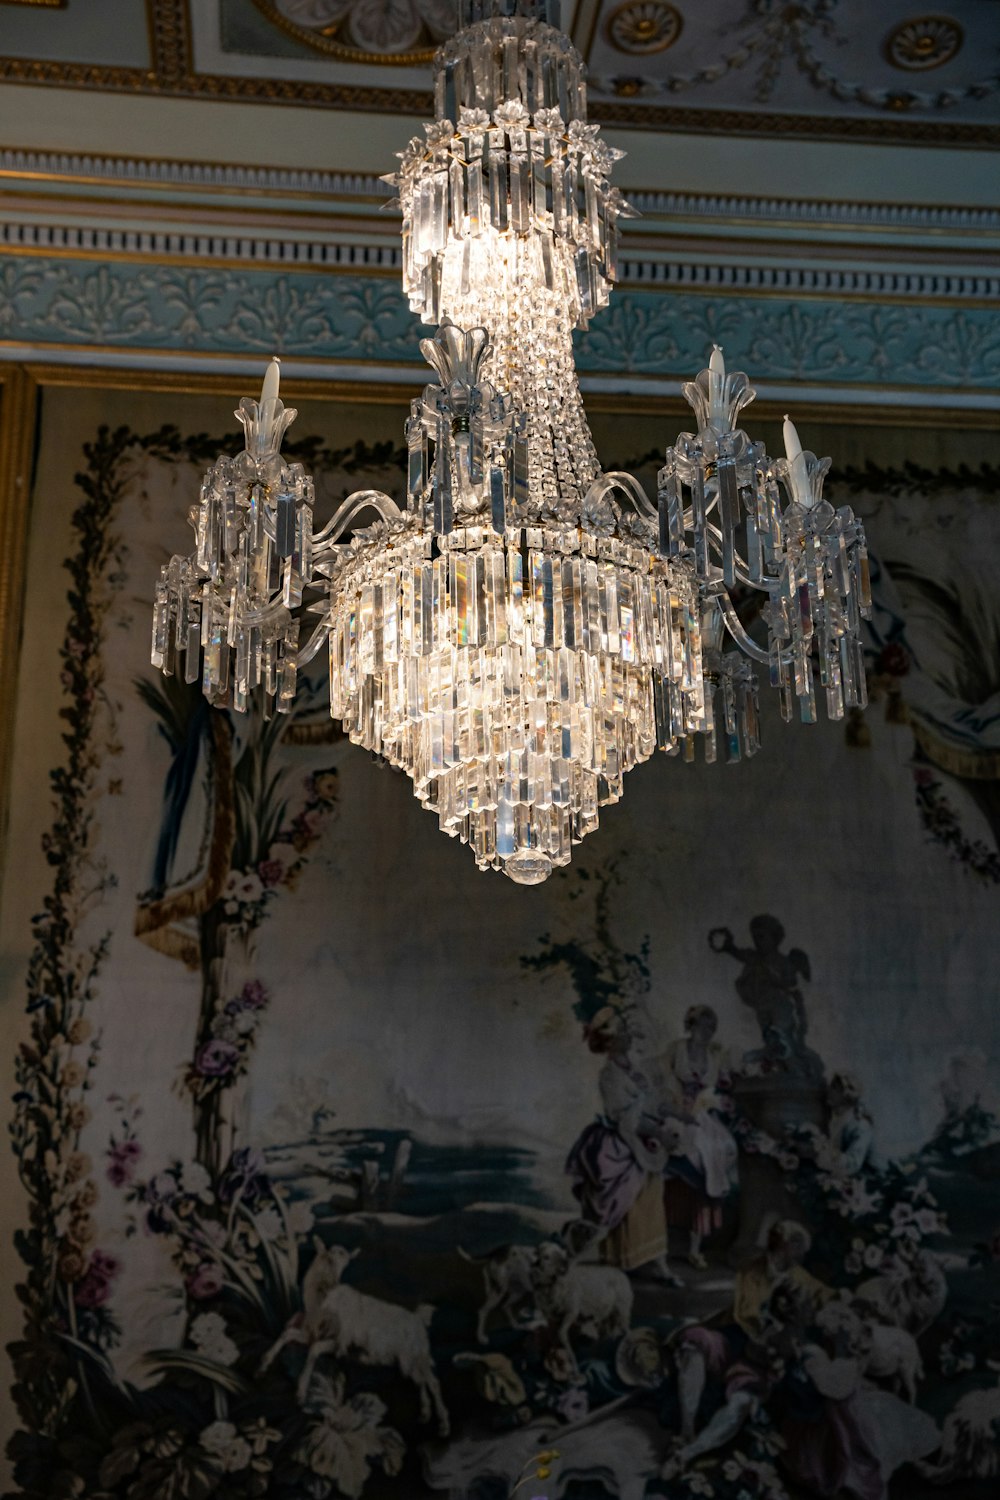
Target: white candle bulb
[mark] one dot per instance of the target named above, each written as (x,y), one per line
(272,375)
(716,385)
(798,474)
(793,447)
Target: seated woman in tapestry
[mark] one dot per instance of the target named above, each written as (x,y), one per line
(695,1077)
(618,1161)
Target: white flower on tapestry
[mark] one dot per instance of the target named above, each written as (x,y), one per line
(914,1223)
(243,888)
(196,1182)
(209,1336)
(851,1199)
(225,1447)
(268,1223)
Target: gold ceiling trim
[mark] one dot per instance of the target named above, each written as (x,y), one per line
(200,381)
(172,72)
(628,401)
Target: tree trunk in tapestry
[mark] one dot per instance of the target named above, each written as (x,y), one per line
(272,833)
(214,1108)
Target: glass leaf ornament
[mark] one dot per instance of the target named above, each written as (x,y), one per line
(528,628)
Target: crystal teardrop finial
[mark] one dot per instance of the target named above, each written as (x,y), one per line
(528,868)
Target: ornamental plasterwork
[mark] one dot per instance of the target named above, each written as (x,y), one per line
(772,33)
(56,304)
(400,32)
(925,43)
(640,27)
(650,88)
(662,271)
(132,172)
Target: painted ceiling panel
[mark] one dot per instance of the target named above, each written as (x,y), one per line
(112,32)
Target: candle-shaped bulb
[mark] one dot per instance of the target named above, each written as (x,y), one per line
(798,474)
(793,447)
(716,385)
(272,376)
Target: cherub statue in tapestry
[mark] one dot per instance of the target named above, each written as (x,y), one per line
(770,984)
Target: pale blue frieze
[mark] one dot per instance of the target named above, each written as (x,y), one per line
(187,309)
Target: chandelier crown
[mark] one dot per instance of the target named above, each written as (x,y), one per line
(528,628)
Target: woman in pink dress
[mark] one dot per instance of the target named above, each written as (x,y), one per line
(617,1162)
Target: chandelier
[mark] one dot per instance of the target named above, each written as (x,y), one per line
(528,628)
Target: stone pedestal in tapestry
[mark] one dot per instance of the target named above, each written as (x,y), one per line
(773,1104)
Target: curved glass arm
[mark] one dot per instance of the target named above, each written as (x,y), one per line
(617,480)
(313,644)
(257,617)
(745,642)
(383,505)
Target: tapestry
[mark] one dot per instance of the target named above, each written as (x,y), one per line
(345,1170)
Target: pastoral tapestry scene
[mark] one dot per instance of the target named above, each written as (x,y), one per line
(345,1170)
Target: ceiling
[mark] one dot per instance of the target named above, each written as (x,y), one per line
(833,69)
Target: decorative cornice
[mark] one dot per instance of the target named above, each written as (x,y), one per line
(909,216)
(69,305)
(145,245)
(152,171)
(157,246)
(228,176)
(841,282)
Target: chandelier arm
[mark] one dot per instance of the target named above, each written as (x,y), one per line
(745,642)
(762,586)
(384,505)
(319,636)
(252,618)
(618,479)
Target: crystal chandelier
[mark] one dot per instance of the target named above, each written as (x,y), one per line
(528,628)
